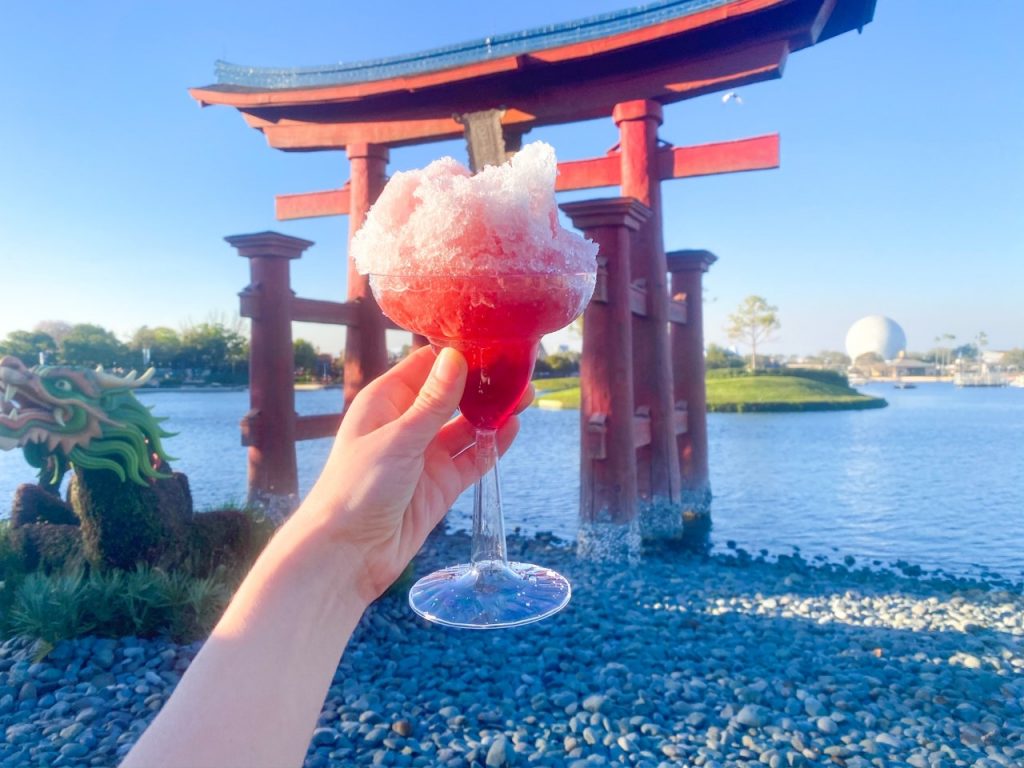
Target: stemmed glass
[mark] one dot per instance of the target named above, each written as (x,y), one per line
(496,321)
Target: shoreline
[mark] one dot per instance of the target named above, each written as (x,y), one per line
(700,660)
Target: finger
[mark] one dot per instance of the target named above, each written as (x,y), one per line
(402,384)
(526,399)
(389,395)
(455,436)
(459,434)
(436,401)
(465,463)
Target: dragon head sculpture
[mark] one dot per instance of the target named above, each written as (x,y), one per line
(63,416)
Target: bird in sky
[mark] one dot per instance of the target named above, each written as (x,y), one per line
(732,96)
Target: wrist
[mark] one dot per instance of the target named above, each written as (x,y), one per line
(323,561)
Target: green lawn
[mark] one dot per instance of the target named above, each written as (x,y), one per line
(556,385)
(741,394)
(783,393)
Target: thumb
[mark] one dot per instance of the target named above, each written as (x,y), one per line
(437,400)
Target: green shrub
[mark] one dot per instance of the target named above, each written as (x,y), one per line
(143,609)
(12,574)
(146,602)
(725,373)
(261,530)
(124,523)
(220,539)
(103,596)
(47,547)
(193,604)
(825,376)
(12,563)
(50,608)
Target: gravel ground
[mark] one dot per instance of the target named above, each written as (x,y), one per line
(687,660)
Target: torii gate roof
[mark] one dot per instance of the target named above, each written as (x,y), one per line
(667,51)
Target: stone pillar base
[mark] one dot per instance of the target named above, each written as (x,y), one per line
(696,516)
(695,503)
(609,542)
(661,521)
(683,525)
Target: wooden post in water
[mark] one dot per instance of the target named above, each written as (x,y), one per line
(268,429)
(687,336)
(658,464)
(609,528)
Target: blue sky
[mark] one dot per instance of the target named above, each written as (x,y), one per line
(901,189)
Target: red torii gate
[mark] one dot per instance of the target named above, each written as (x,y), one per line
(626,65)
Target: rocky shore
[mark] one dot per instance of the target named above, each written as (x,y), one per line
(685,660)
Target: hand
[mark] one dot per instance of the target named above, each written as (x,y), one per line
(397,465)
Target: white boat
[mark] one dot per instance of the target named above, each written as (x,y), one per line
(1017,381)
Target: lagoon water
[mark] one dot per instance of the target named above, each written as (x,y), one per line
(936,479)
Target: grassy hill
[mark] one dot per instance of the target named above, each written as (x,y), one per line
(738,392)
(792,390)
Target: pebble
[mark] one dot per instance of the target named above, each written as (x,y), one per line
(594,702)
(749,716)
(402,728)
(680,661)
(496,754)
(826,725)
(813,707)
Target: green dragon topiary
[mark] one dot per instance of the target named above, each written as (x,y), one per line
(62,416)
(131,506)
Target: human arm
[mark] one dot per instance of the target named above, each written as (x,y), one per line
(252,695)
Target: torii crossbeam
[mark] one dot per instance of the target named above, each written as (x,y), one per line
(758,153)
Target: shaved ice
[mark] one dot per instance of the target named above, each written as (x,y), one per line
(442,220)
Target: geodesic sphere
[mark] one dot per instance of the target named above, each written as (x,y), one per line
(878,334)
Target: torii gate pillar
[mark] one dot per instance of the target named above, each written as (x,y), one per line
(268,429)
(366,353)
(609,437)
(688,268)
(658,463)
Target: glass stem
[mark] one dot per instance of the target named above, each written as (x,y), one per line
(488,525)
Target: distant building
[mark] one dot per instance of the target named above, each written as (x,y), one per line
(908,366)
(875,334)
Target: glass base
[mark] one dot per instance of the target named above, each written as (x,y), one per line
(490,595)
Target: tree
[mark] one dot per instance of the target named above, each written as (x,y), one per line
(306,356)
(163,343)
(91,345)
(565,363)
(830,358)
(720,357)
(869,358)
(966,351)
(212,346)
(754,322)
(982,343)
(944,351)
(1014,358)
(27,346)
(57,330)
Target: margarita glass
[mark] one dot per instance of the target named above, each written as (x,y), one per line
(496,321)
